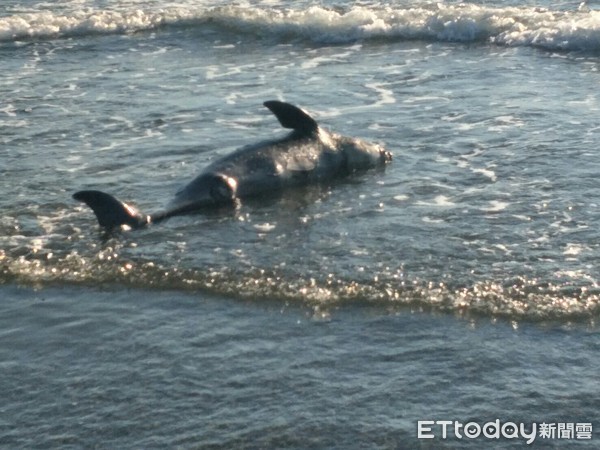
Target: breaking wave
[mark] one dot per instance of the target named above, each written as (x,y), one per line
(515,298)
(507,26)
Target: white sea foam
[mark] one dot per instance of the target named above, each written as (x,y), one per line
(573,249)
(439,201)
(428,219)
(496,206)
(265,227)
(385,95)
(486,173)
(511,26)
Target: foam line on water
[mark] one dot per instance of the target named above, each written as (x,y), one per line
(509,26)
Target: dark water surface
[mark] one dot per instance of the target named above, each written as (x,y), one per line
(146,369)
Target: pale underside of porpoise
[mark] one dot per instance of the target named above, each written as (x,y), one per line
(307,155)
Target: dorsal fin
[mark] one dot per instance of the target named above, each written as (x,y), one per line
(291,116)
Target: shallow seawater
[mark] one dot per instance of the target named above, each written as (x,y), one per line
(460,283)
(85,368)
